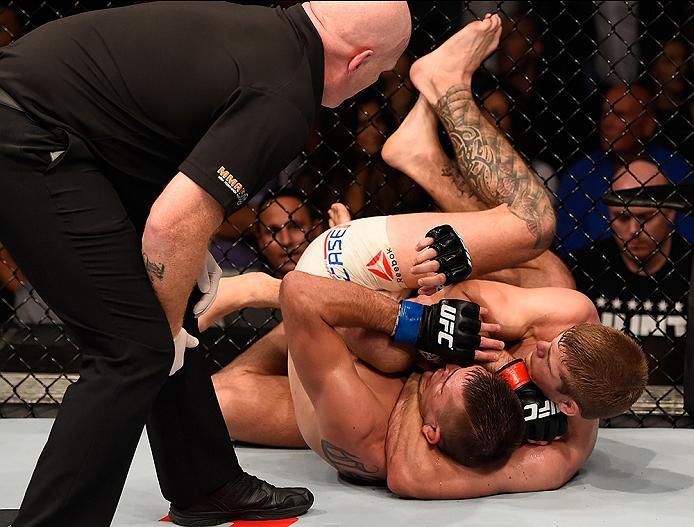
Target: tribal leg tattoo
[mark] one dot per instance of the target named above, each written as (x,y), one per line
(451,171)
(489,166)
(347,463)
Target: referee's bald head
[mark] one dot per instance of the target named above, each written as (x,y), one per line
(360,40)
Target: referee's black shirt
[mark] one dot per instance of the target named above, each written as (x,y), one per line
(224,93)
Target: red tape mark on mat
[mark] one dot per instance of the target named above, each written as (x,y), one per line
(259,523)
(265,523)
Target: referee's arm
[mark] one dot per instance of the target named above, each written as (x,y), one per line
(174,244)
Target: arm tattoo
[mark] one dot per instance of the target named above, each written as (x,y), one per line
(489,166)
(347,463)
(154,270)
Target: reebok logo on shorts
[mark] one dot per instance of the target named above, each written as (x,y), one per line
(232,184)
(385,266)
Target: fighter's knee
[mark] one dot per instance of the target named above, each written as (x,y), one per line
(548,228)
(231,384)
(220,385)
(293,290)
(231,375)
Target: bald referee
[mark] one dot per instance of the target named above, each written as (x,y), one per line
(127,135)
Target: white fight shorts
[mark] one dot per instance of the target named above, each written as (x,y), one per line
(359,252)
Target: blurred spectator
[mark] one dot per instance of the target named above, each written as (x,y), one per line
(536,111)
(233,244)
(614,27)
(378,188)
(27,306)
(11,278)
(670,73)
(398,89)
(285,225)
(497,109)
(9,283)
(374,124)
(625,132)
(639,277)
(10,28)
(281,226)
(617,34)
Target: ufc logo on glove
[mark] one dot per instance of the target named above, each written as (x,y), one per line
(448,330)
(535,412)
(447,320)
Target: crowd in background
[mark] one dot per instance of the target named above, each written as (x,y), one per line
(596,98)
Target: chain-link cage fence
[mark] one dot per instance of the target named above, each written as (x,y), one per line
(590,93)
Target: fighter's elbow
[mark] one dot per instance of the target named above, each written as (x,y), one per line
(560,480)
(400,482)
(558,476)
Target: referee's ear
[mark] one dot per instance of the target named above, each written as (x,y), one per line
(358,60)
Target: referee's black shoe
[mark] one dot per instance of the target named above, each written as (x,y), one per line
(247,498)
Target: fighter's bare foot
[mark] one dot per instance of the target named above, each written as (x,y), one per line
(338,214)
(455,61)
(415,147)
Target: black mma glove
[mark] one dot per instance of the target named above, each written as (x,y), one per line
(543,420)
(444,332)
(451,253)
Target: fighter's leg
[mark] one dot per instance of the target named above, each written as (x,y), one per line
(491,236)
(414,149)
(253,392)
(547,270)
(494,172)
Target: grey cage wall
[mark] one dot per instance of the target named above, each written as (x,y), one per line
(589,92)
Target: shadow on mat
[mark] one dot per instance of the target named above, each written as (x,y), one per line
(622,467)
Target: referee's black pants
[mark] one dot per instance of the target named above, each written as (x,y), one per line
(69,232)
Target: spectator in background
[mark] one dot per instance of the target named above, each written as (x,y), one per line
(536,111)
(639,277)
(616,26)
(233,244)
(10,28)
(378,189)
(625,132)
(10,281)
(374,124)
(669,73)
(282,226)
(398,89)
(285,225)
(27,306)
(269,234)
(496,107)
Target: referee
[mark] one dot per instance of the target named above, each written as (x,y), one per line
(127,136)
